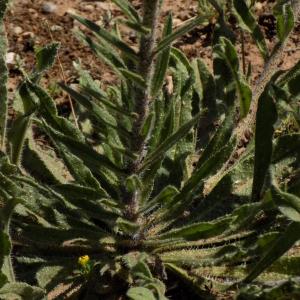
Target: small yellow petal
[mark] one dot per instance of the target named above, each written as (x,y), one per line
(83,260)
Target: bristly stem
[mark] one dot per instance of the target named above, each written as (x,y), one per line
(151,10)
(3,77)
(142,99)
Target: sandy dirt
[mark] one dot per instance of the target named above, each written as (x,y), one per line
(29,26)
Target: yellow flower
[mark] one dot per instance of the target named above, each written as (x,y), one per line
(84,260)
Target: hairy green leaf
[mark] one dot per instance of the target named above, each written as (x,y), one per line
(107,36)
(170,142)
(190,25)
(128,9)
(134,77)
(197,231)
(288,204)
(162,61)
(229,54)
(138,293)
(96,110)
(21,291)
(248,22)
(45,57)
(281,245)
(265,119)
(285,20)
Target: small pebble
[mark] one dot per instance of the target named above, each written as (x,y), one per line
(56,28)
(258,6)
(103,5)
(28,35)
(89,8)
(49,8)
(10,58)
(33,13)
(18,30)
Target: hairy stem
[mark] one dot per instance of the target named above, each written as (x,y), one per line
(145,68)
(3,76)
(151,10)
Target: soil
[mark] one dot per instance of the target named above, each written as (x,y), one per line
(29,27)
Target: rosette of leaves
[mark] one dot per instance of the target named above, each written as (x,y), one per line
(133,188)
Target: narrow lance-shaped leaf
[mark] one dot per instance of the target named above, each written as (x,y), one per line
(135,26)
(164,197)
(205,87)
(170,142)
(107,36)
(248,22)
(75,165)
(266,117)
(104,100)
(194,186)
(137,293)
(225,85)
(128,9)
(9,195)
(134,77)
(102,116)
(148,126)
(197,231)
(105,52)
(17,133)
(4,253)
(291,74)
(280,246)
(48,111)
(285,20)
(41,164)
(45,58)
(85,152)
(162,61)
(228,52)
(95,109)
(220,138)
(281,151)
(21,290)
(290,82)
(180,57)
(190,25)
(288,204)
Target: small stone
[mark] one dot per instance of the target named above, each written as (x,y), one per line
(49,8)
(17,30)
(72,11)
(11,58)
(103,5)
(100,22)
(89,7)
(258,6)
(56,28)
(28,35)
(33,13)
(177,22)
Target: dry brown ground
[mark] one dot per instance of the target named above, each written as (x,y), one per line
(29,27)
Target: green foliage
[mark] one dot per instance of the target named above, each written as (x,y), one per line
(247,21)
(285,19)
(138,195)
